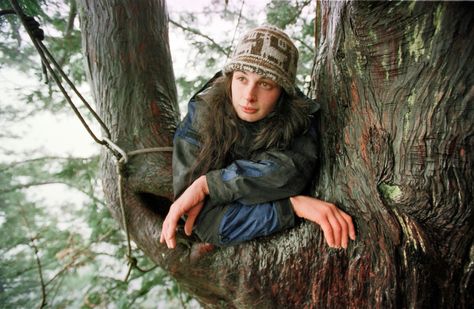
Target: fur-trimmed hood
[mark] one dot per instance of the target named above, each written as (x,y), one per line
(225,137)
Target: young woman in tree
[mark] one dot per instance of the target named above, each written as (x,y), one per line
(246,150)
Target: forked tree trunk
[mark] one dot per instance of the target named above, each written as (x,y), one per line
(395,82)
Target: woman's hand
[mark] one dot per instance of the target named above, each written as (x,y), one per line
(190,203)
(337,226)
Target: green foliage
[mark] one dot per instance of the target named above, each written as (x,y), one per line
(297,19)
(71,254)
(31,7)
(62,38)
(78,264)
(187,87)
(283,13)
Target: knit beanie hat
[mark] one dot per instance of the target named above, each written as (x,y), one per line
(267,51)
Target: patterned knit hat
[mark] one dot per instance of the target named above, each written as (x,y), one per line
(267,51)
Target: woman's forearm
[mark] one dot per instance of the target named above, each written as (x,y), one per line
(190,203)
(337,226)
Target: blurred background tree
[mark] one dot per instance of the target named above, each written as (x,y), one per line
(69,253)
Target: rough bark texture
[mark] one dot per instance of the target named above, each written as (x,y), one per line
(395,82)
(125,44)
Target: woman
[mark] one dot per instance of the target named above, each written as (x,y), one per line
(246,151)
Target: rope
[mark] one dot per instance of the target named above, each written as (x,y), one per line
(113,146)
(120,167)
(6,12)
(121,156)
(46,57)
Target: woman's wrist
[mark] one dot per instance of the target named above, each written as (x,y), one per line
(294,201)
(203,184)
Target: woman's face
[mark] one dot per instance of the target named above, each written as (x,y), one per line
(253,96)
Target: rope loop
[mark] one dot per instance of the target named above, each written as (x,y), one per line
(122,158)
(118,152)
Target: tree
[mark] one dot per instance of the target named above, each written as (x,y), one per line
(395,82)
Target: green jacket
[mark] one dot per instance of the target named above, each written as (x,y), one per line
(248,198)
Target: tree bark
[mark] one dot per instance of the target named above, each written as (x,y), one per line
(395,82)
(396,85)
(126,47)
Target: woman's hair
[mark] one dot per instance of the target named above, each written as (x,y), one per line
(220,129)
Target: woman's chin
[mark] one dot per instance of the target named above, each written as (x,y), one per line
(249,117)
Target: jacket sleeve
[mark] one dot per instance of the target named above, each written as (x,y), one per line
(269,176)
(186,146)
(232,224)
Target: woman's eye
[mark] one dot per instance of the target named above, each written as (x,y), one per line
(266,85)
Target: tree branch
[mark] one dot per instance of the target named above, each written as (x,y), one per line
(300,8)
(28,185)
(40,272)
(70,20)
(303,43)
(75,258)
(52,182)
(68,30)
(6,12)
(14,164)
(236,27)
(38,261)
(68,266)
(198,33)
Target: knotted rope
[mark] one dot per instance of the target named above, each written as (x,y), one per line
(120,167)
(121,157)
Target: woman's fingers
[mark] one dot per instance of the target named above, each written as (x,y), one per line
(192,215)
(190,203)
(350,225)
(336,228)
(167,234)
(162,235)
(344,228)
(171,241)
(164,231)
(327,231)
(347,227)
(168,230)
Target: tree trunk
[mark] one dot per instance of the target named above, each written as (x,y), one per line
(396,85)
(125,44)
(395,82)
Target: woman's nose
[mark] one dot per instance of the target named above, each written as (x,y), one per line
(250,93)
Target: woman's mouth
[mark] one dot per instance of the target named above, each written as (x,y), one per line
(248,110)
